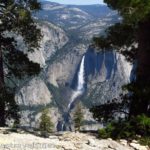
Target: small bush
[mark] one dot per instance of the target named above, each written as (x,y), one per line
(102,133)
(110,128)
(122,129)
(142,123)
(144,141)
(128,129)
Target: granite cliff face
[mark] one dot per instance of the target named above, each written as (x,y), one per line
(29,95)
(106,73)
(53,39)
(33,94)
(56,71)
(60,56)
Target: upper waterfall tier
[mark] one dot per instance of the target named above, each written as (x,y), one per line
(81,79)
(80,83)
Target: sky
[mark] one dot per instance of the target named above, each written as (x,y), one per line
(77,2)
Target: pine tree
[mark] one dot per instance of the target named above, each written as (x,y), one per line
(46,125)
(16,17)
(133,30)
(78,117)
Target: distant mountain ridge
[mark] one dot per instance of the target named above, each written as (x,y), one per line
(72,16)
(97,10)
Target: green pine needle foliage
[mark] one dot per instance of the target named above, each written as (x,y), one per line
(136,128)
(78,117)
(46,124)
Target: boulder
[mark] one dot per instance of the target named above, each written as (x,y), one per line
(137,146)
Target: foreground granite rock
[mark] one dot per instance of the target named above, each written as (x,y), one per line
(60,141)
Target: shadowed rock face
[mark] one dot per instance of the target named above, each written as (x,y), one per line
(101,64)
(106,72)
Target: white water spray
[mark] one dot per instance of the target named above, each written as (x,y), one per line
(80,85)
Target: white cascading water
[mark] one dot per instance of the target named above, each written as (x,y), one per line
(80,85)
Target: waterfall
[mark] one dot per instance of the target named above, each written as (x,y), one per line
(80,83)
(80,86)
(65,125)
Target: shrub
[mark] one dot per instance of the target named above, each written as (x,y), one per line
(128,129)
(102,133)
(143,125)
(123,129)
(145,141)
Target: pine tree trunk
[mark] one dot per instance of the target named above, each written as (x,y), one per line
(1,71)
(143,74)
(2,103)
(140,103)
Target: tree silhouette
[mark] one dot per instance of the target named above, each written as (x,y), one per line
(78,117)
(16,18)
(131,38)
(46,124)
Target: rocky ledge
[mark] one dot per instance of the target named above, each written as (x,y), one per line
(62,141)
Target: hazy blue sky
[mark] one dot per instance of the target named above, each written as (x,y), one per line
(78,2)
